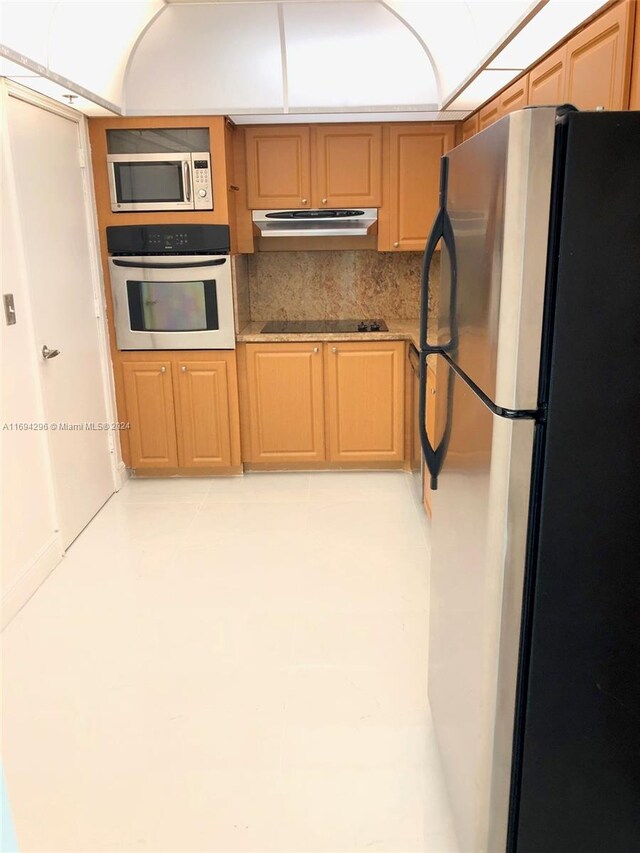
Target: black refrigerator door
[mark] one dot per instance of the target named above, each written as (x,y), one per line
(579,788)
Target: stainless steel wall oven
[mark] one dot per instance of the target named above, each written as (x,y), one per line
(171,287)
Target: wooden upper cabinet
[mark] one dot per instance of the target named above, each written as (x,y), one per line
(348,161)
(489,113)
(546,80)
(207,412)
(470,127)
(278,167)
(598,61)
(365,401)
(285,387)
(413,183)
(149,400)
(514,97)
(634,97)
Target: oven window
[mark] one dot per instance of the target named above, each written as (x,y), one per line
(139,183)
(172,306)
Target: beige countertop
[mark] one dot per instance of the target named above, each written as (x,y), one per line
(399,330)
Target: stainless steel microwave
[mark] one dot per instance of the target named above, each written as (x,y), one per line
(166,181)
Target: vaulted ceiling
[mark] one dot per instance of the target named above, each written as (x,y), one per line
(263,60)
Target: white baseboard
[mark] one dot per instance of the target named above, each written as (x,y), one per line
(122,475)
(30,578)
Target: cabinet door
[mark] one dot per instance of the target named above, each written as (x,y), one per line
(348,165)
(634,98)
(285,386)
(515,96)
(489,113)
(546,80)
(599,61)
(365,401)
(414,182)
(278,167)
(470,127)
(207,412)
(149,400)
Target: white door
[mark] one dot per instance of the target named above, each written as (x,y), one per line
(45,150)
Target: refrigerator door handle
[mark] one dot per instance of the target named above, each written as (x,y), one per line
(433,456)
(441,229)
(428,451)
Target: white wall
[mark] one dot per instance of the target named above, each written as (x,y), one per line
(30,544)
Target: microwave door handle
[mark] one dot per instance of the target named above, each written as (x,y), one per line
(141,265)
(187,179)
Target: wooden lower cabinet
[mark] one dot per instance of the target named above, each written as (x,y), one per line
(148,391)
(205,401)
(309,403)
(285,389)
(365,401)
(182,409)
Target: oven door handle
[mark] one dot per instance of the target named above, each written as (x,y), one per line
(141,265)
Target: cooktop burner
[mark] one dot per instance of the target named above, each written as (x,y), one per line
(317,327)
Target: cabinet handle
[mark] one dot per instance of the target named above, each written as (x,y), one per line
(163,369)
(433,390)
(334,349)
(304,201)
(234,188)
(324,201)
(184,368)
(316,349)
(396,244)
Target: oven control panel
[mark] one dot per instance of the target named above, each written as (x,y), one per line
(168,239)
(202,190)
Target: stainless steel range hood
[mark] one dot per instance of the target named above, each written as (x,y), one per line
(354,222)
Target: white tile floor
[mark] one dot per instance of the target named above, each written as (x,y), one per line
(230,664)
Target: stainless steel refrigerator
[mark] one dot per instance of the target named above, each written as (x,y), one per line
(534,655)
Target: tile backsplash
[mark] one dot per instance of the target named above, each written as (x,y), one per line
(336,285)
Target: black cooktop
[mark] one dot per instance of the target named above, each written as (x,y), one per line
(319,327)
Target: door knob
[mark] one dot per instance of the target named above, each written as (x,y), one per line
(184,368)
(324,201)
(49,353)
(334,349)
(396,244)
(304,201)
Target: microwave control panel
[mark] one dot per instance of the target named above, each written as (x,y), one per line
(202,188)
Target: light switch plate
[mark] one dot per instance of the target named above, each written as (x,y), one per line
(9,309)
